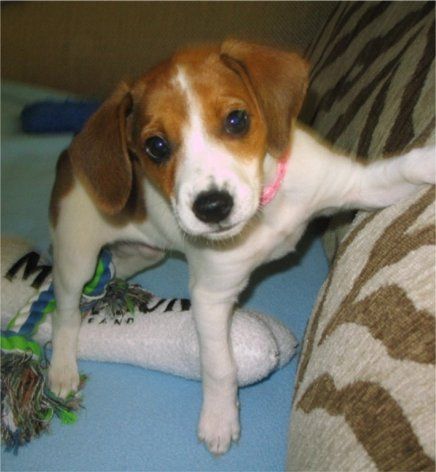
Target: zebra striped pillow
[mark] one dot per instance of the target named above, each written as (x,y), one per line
(365,391)
(365,395)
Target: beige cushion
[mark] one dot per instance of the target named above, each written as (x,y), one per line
(88,47)
(365,396)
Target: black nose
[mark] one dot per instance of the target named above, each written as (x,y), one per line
(213,206)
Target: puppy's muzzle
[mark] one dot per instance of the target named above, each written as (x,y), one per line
(213,206)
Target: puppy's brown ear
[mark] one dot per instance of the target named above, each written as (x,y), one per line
(278,80)
(99,153)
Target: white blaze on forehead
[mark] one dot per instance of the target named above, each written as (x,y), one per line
(195,140)
(203,154)
(181,80)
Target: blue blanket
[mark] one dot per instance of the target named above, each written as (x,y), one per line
(136,419)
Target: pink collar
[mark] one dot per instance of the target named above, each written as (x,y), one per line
(270,191)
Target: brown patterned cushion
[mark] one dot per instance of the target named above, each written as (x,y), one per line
(365,395)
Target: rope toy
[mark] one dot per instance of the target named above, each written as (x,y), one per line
(121,322)
(27,404)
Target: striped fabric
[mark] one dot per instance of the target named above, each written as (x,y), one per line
(365,395)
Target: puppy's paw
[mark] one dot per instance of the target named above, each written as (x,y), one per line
(420,166)
(63,378)
(218,427)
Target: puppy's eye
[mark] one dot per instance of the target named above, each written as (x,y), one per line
(237,122)
(157,148)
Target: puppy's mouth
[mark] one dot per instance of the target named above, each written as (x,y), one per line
(212,232)
(224,231)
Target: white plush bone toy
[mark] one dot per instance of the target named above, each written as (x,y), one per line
(125,323)
(121,323)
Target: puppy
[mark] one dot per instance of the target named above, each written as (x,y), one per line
(203,155)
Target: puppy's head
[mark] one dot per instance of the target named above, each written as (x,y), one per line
(198,126)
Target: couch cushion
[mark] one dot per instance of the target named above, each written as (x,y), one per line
(88,47)
(365,390)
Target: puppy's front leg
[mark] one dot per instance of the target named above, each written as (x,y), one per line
(74,265)
(327,180)
(219,419)
(387,181)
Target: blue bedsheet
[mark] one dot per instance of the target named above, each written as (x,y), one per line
(137,419)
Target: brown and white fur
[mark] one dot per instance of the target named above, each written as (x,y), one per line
(109,190)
